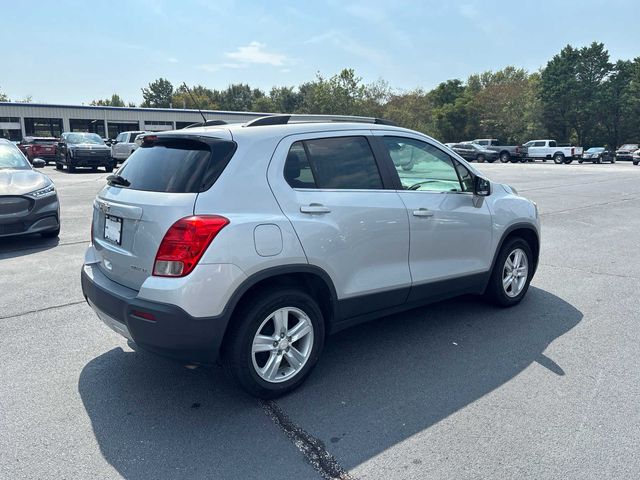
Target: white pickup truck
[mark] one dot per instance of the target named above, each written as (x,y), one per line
(550,150)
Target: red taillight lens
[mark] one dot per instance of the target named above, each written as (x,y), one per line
(184,244)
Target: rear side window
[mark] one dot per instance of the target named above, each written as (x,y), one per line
(343,163)
(177,166)
(297,170)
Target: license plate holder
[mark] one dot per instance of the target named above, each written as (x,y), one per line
(113,229)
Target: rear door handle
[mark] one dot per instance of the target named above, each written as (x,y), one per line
(314,208)
(422,212)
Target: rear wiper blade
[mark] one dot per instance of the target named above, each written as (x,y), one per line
(116,180)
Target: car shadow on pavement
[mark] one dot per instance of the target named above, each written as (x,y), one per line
(376,385)
(12,247)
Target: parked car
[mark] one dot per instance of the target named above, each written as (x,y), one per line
(625,152)
(39,147)
(28,199)
(77,149)
(597,155)
(550,150)
(124,145)
(198,257)
(636,157)
(506,153)
(474,152)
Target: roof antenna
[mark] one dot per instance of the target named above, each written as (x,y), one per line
(194,101)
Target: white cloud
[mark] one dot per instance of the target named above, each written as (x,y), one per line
(346,43)
(172,60)
(255,53)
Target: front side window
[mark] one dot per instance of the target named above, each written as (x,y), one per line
(333,163)
(538,144)
(422,166)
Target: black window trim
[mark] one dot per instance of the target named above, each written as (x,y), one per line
(388,161)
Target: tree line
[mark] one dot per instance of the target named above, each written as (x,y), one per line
(580,96)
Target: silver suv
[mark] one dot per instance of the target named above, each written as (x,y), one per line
(250,243)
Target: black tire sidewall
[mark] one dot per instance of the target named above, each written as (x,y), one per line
(237,352)
(495,290)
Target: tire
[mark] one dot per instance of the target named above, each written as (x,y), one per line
(67,160)
(491,160)
(567,161)
(558,158)
(599,160)
(635,162)
(51,233)
(108,168)
(505,157)
(258,317)
(496,292)
(480,158)
(59,166)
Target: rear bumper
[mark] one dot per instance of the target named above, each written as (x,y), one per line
(173,332)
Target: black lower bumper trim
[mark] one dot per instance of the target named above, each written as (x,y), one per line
(173,333)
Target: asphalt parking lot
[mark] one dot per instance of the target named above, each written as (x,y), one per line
(460,389)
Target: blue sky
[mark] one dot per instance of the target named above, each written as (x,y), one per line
(76,51)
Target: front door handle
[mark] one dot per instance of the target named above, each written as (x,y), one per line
(314,208)
(422,212)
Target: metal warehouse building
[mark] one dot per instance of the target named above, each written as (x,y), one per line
(18,120)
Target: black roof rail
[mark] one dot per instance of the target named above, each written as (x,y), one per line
(208,123)
(302,118)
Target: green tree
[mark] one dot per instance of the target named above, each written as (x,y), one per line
(203,96)
(158,94)
(571,90)
(413,109)
(114,101)
(3,97)
(237,97)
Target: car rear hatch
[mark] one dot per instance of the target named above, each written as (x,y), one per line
(156,187)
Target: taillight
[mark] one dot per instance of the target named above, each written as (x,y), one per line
(184,244)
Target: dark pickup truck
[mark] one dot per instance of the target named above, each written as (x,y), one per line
(506,153)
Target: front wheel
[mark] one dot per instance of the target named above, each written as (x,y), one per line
(274,342)
(511,274)
(108,168)
(636,162)
(480,158)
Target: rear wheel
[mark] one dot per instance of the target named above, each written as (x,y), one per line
(505,157)
(558,158)
(274,342)
(511,274)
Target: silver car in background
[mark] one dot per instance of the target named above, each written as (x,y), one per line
(28,199)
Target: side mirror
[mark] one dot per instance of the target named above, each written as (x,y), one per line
(481,187)
(38,163)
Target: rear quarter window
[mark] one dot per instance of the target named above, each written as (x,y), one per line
(177,166)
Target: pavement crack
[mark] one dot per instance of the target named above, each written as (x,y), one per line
(590,272)
(53,307)
(312,448)
(584,207)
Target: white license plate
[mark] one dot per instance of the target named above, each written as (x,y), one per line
(113,229)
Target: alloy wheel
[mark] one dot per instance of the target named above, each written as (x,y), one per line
(282,345)
(515,272)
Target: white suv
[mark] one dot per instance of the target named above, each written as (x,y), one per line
(124,145)
(250,243)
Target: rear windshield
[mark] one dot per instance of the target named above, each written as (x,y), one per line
(45,141)
(177,166)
